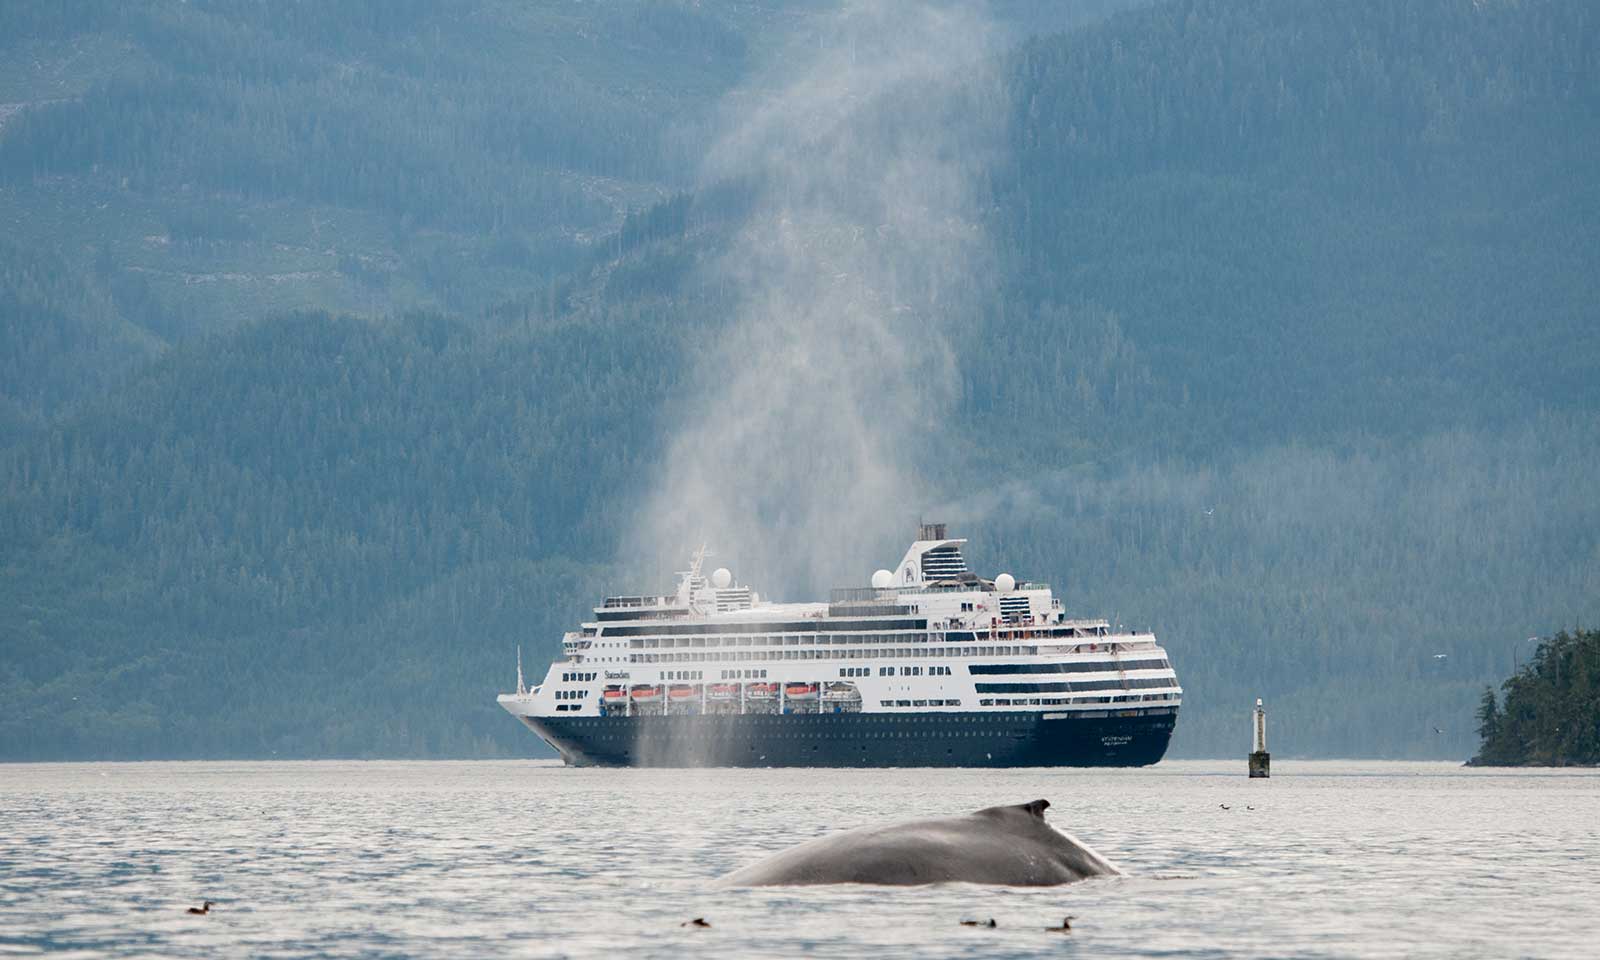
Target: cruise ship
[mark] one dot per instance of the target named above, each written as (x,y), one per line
(930,666)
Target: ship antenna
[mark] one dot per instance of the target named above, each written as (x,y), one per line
(691,577)
(521,688)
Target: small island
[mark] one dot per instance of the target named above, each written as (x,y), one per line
(1551,715)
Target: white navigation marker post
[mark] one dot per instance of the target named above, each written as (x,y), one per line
(1260,759)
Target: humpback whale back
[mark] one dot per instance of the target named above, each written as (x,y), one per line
(1007,845)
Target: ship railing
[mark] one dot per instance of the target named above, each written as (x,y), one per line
(869,594)
(616,602)
(861,594)
(868,608)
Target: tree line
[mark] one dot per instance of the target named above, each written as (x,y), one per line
(1551,712)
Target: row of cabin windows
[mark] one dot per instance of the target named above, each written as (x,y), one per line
(680,674)
(1055,701)
(604,645)
(744,674)
(576,677)
(1096,666)
(1003,702)
(1124,683)
(734,656)
(571,694)
(853,671)
(846,639)
(777,640)
(804,626)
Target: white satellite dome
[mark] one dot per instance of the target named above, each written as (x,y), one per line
(882,579)
(721,577)
(1005,583)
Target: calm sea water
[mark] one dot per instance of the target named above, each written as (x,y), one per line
(533,859)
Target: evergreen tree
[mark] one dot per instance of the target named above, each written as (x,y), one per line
(1552,708)
(1488,716)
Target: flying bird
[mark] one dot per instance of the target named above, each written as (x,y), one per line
(696,922)
(1441,656)
(1224,806)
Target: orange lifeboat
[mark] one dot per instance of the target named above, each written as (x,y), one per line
(645,693)
(615,694)
(800,691)
(684,691)
(761,691)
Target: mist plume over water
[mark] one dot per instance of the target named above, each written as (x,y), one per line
(802,455)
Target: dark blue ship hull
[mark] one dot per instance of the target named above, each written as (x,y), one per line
(1128,738)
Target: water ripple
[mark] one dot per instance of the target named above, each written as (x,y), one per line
(522,859)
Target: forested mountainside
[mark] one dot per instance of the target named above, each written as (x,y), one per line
(196,165)
(1287,351)
(270,535)
(205,164)
(1322,221)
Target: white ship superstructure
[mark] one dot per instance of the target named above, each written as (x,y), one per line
(928,642)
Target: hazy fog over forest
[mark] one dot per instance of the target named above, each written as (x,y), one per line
(343,348)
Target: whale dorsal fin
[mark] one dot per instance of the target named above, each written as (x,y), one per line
(1033,808)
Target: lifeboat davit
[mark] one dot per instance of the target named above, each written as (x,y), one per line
(800,691)
(684,691)
(645,693)
(761,691)
(724,691)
